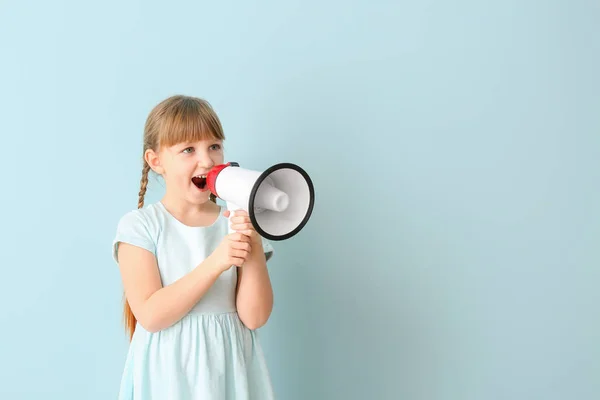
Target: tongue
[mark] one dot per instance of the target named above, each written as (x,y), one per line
(199,182)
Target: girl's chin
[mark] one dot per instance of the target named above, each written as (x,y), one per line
(200,195)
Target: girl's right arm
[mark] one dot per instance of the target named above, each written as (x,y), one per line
(156,307)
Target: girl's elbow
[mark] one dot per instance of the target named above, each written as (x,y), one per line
(150,324)
(255,321)
(254,325)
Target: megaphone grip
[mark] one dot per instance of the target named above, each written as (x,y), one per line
(231,208)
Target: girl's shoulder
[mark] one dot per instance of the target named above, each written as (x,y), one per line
(140,227)
(147,216)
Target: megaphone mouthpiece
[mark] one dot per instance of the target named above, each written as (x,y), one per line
(270,198)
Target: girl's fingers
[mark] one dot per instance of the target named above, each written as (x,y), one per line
(242,227)
(240,220)
(239,237)
(242,246)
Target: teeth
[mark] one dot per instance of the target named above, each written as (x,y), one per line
(200,176)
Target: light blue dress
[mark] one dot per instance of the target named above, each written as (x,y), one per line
(208,354)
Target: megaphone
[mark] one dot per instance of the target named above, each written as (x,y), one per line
(279,200)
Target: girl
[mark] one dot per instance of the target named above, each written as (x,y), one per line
(190,315)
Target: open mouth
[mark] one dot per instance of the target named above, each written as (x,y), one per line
(199,181)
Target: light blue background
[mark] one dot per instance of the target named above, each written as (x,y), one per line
(453,250)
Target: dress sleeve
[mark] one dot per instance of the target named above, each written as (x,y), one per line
(268,248)
(133,229)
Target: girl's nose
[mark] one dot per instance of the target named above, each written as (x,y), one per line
(205,161)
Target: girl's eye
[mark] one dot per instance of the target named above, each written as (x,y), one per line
(216,147)
(189,148)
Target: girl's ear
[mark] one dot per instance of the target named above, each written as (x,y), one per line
(153,161)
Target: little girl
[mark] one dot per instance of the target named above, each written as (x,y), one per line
(195,294)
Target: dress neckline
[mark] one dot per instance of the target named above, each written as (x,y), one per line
(172,217)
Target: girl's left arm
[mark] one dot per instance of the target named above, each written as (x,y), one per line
(254,300)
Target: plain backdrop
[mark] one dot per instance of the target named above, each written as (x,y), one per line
(454,147)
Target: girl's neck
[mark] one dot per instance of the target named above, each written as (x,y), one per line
(192,214)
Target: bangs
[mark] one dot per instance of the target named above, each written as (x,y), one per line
(189,121)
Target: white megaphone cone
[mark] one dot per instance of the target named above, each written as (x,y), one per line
(279,200)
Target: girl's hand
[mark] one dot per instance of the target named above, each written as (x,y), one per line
(234,249)
(240,222)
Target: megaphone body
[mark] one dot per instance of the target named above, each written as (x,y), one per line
(278,200)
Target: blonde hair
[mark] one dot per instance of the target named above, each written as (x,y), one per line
(174,120)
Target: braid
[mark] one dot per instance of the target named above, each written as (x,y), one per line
(143,184)
(128,317)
